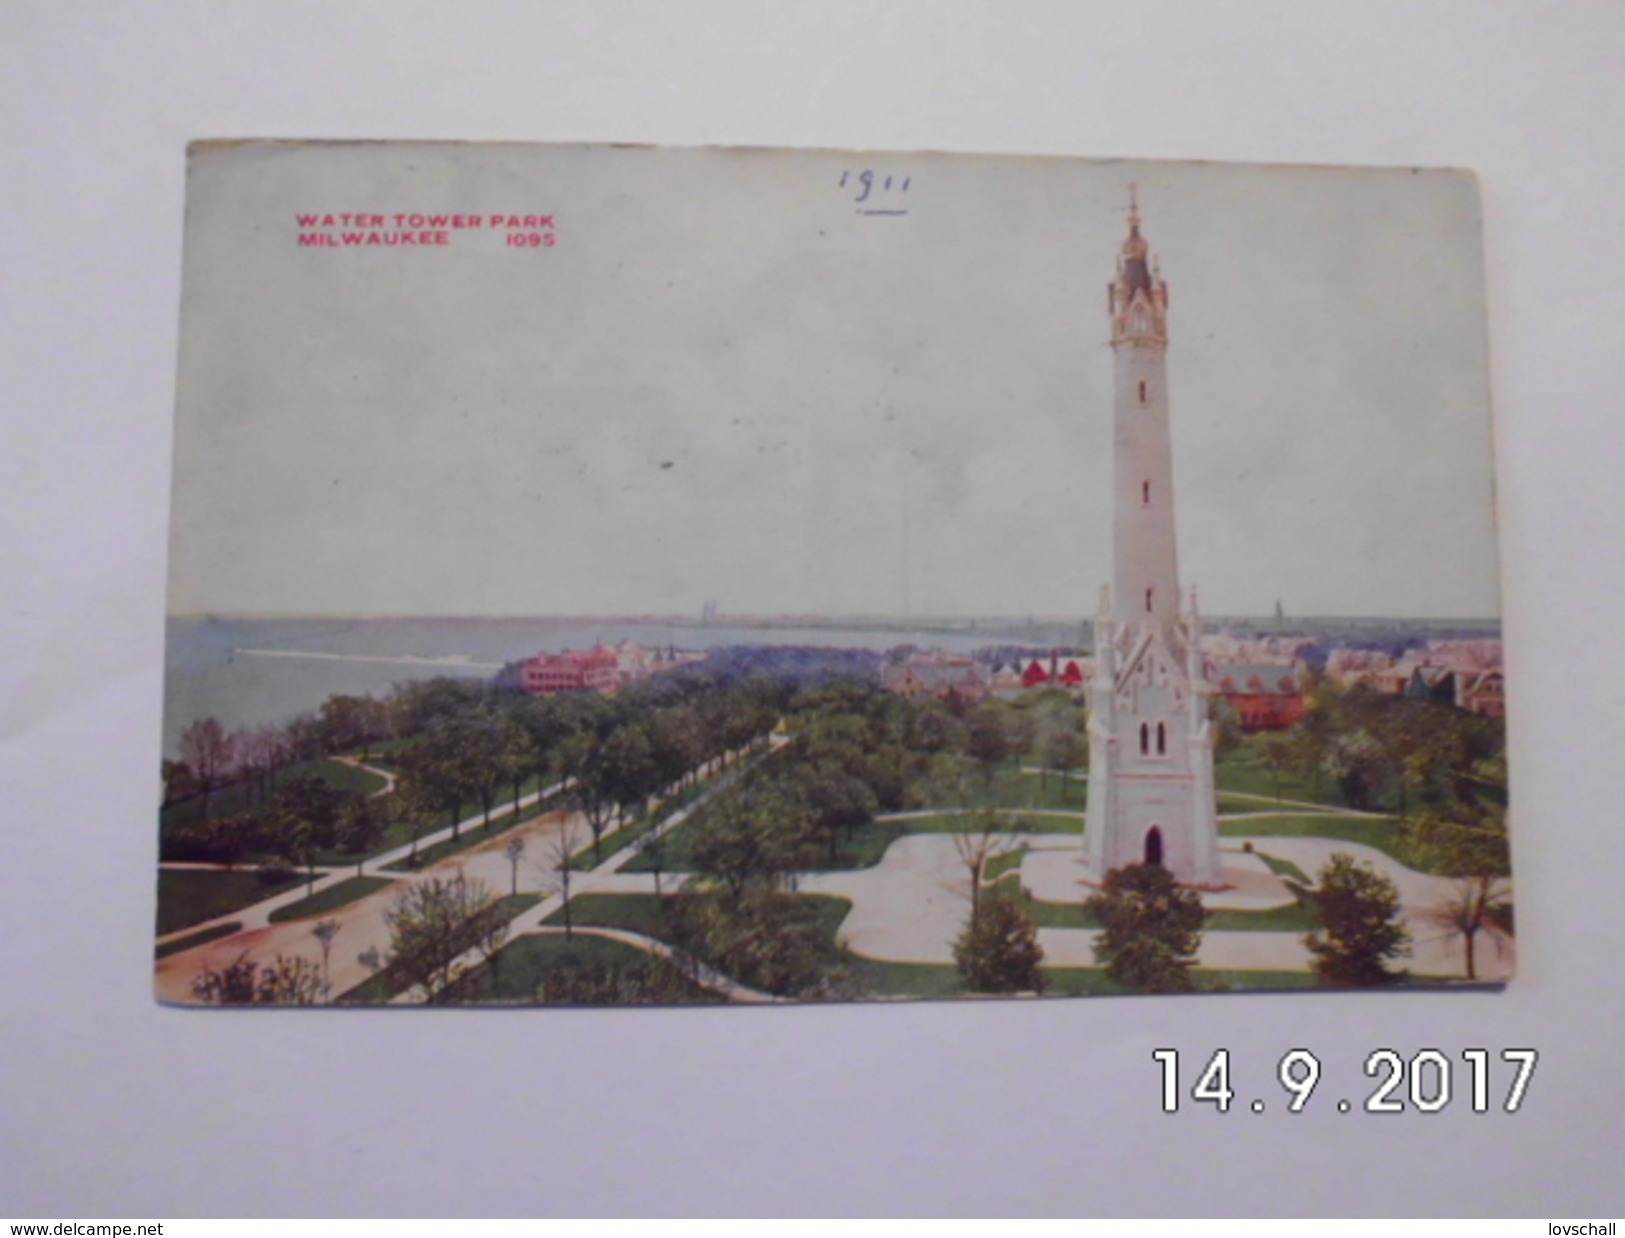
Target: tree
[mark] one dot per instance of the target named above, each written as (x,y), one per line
(756,834)
(630,769)
(560,856)
(1470,844)
(243,982)
(1151,928)
(432,778)
(838,801)
(999,952)
(593,786)
(976,847)
(360,829)
(1225,725)
(768,939)
(514,851)
(314,801)
(1475,906)
(179,782)
(987,742)
(434,923)
(1278,753)
(324,932)
(206,749)
(1360,925)
(1065,749)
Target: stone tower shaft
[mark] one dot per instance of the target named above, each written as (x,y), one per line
(1151,791)
(1145,569)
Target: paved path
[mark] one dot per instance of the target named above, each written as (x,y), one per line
(362,925)
(387,775)
(910,907)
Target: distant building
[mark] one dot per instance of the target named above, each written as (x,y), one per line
(593,670)
(1265,696)
(1483,694)
(940,675)
(1057,670)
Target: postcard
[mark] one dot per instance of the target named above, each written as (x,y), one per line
(618,575)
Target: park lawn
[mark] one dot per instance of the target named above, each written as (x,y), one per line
(1014,788)
(1298,918)
(199,938)
(636,913)
(1015,822)
(1010,787)
(940,980)
(384,986)
(188,896)
(1284,868)
(1241,770)
(1242,801)
(622,837)
(1243,981)
(1382,833)
(331,898)
(525,962)
(999,865)
(235,798)
(502,820)
(860,847)
(645,914)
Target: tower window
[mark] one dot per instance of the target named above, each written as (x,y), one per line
(1142,391)
(1148,601)
(1145,739)
(1162,739)
(1145,493)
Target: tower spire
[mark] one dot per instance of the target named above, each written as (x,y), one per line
(1151,755)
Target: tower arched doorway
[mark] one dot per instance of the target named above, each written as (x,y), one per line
(1153,845)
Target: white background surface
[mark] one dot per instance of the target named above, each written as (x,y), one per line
(115,1106)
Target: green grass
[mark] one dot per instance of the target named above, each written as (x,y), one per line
(330,898)
(618,839)
(236,798)
(636,913)
(502,820)
(526,961)
(1241,801)
(1244,981)
(199,938)
(970,823)
(1241,770)
(1014,789)
(1057,915)
(389,983)
(645,914)
(1382,833)
(1298,917)
(188,896)
(1284,868)
(861,847)
(1000,865)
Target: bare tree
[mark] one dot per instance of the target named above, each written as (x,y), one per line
(977,847)
(1474,906)
(207,751)
(324,932)
(514,851)
(559,859)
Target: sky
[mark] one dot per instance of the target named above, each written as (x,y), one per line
(726,382)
